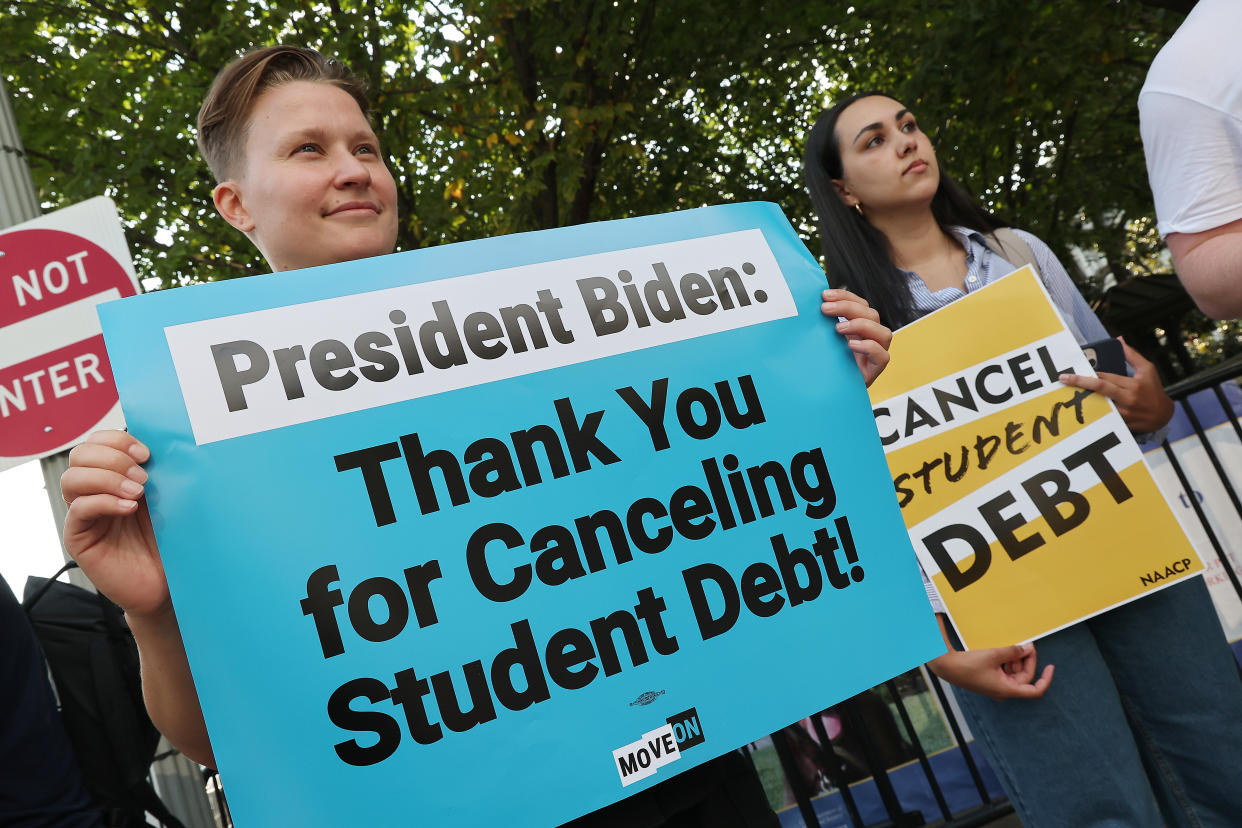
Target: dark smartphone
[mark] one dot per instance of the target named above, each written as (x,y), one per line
(1106,355)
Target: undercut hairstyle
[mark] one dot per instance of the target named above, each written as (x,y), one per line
(224,120)
(857,256)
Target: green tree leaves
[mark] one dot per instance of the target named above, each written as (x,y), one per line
(502,116)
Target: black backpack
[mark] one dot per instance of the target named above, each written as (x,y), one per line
(94,664)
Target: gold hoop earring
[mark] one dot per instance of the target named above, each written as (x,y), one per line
(858,207)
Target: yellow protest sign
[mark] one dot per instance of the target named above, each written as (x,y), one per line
(1028,502)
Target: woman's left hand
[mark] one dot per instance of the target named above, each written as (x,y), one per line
(861,327)
(1140,399)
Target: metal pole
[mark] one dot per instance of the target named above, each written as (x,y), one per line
(18,203)
(179,782)
(802,792)
(949,716)
(831,760)
(921,754)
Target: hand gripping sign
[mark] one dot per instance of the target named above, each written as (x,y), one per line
(515,527)
(55,381)
(1028,502)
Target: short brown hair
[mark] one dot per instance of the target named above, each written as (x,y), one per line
(225,116)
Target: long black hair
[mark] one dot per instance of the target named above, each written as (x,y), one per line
(856,255)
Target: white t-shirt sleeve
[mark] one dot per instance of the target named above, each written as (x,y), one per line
(1194,162)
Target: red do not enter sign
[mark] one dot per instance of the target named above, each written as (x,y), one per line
(56,382)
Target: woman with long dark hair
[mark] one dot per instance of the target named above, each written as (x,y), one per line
(1143,722)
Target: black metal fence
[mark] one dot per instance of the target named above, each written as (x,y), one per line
(860,784)
(1192,397)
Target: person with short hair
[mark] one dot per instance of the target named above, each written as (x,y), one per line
(1143,721)
(300,173)
(287,135)
(1190,116)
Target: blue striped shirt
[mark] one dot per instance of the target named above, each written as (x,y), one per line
(983,267)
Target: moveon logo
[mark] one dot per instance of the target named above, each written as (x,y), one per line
(657,748)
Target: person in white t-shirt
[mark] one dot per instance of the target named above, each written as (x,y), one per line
(1190,111)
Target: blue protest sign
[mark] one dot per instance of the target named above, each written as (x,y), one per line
(517,526)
